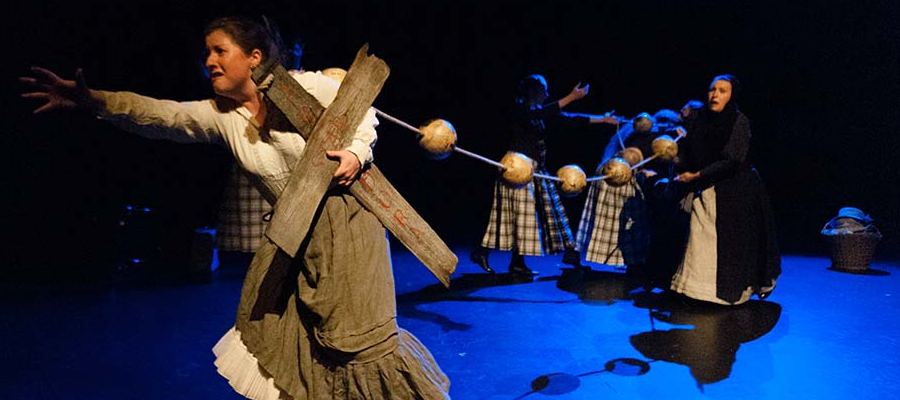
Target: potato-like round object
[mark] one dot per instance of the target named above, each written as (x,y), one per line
(643,122)
(665,148)
(573,180)
(518,169)
(617,171)
(632,155)
(335,73)
(438,138)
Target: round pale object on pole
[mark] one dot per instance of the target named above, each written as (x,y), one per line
(643,123)
(335,73)
(665,148)
(518,169)
(617,171)
(572,180)
(438,137)
(632,155)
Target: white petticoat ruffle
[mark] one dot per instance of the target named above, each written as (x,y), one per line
(242,369)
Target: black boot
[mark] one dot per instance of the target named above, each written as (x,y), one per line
(573,258)
(517,266)
(480,256)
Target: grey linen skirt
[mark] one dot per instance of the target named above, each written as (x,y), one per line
(323,326)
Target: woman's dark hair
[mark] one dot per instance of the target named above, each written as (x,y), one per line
(666,116)
(693,105)
(250,34)
(528,86)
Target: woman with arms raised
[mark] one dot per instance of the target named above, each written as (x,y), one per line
(327,319)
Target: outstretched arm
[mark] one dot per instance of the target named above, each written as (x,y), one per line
(60,93)
(607,118)
(577,93)
(182,122)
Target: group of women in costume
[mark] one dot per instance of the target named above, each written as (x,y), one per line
(315,334)
(700,225)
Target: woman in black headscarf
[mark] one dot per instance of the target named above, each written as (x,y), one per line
(731,252)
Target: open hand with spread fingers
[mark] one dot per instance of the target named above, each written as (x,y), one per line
(59,93)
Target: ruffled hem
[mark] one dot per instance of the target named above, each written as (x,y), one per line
(417,366)
(242,369)
(408,372)
(708,294)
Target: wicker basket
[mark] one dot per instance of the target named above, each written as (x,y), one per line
(853,251)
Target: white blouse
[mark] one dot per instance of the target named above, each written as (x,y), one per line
(269,157)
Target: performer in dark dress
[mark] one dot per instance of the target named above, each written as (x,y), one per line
(731,252)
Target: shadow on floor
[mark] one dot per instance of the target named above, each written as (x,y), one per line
(702,336)
(461,290)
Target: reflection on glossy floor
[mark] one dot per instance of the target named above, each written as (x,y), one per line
(823,334)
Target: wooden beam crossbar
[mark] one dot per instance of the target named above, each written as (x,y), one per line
(333,128)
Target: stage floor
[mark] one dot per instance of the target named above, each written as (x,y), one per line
(823,334)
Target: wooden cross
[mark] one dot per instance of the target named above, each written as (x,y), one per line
(333,128)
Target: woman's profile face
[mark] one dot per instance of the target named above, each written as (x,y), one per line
(228,65)
(719,95)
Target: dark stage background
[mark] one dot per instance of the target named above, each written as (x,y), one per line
(821,82)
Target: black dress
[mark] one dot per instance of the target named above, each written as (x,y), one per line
(732,252)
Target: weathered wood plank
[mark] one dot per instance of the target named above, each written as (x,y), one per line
(300,108)
(373,190)
(376,193)
(296,206)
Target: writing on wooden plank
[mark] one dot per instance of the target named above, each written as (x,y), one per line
(377,194)
(311,177)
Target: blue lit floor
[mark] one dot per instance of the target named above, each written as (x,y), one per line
(822,335)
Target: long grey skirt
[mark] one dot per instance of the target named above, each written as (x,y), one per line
(323,326)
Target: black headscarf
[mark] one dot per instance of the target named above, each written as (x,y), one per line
(711,130)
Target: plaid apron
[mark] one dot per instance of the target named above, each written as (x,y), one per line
(530,220)
(613,228)
(240,220)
